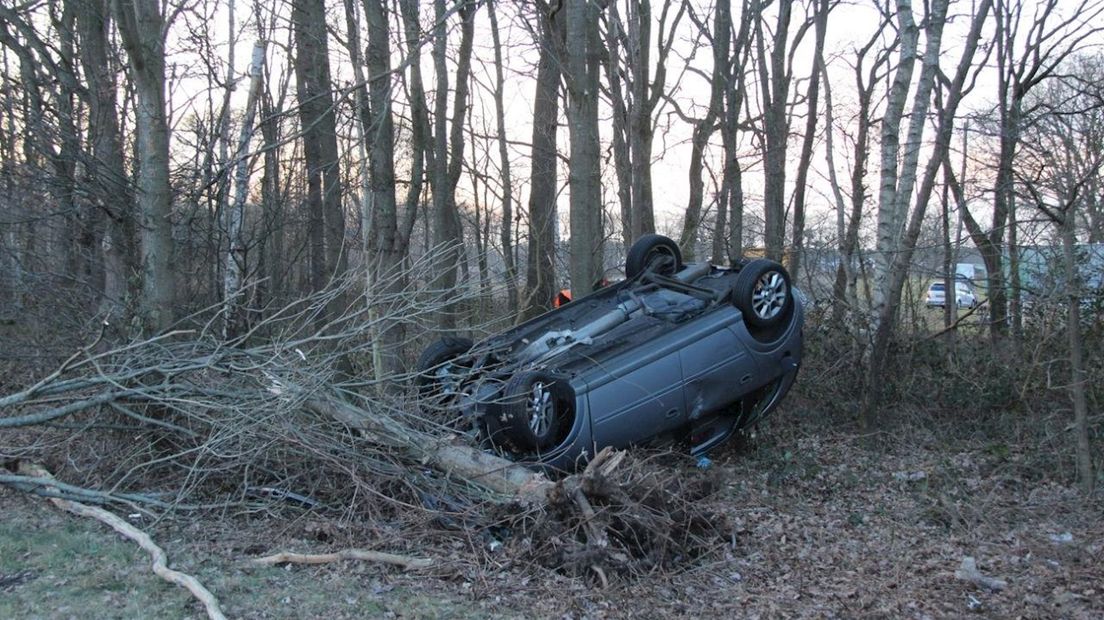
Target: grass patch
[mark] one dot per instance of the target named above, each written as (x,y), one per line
(54,565)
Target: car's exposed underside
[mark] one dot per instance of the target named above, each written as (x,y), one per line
(688,351)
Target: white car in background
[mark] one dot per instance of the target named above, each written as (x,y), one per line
(964,295)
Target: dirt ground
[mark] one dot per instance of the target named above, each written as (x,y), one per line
(825,523)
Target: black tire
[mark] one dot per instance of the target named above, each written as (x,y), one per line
(763,293)
(431,360)
(651,248)
(535,406)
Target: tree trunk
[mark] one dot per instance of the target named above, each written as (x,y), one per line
(812,99)
(447,231)
(325,217)
(111,193)
(703,130)
(899,263)
(909,36)
(622,161)
(730,128)
(775,88)
(1078,376)
(540,275)
(419,112)
(506,233)
(140,27)
(584,169)
(388,242)
(235,257)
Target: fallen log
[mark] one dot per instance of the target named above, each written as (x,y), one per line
(465,462)
(286,557)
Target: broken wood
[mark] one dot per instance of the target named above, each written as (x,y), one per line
(406,562)
(968,571)
(157,554)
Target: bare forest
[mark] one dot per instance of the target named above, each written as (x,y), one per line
(228,228)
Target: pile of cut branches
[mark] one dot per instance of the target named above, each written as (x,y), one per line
(200,422)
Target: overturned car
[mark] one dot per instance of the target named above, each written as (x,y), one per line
(693,352)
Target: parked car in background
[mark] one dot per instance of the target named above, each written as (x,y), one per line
(690,351)
(964,295)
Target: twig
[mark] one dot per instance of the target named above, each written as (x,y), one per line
(596,535)
(408,563)
(59,412)
(160,565)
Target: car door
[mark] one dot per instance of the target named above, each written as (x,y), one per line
(717,368)
(637,394)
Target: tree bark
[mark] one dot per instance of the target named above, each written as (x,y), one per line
(445,171)
(703,130)
(540,275)
(506,232)
(775,88)
(234,320)
(812,98)
(1078,376)
(325,219)
(584,170)
(419,112)
(113,197)
(388,242)
(141,28)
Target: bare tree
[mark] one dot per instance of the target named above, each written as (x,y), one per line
(636,90)
(235,256)
(106,172)
(1060,165)
(506,231)
(540,275)
(583,55)
(142,31)
(448,146)
(821,9)
(849,212)
(720,85)
(895,244)
(326,218)
(1028,53)
(774,53)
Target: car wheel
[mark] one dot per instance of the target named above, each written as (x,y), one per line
(657,252)
(534,408)
(436,379)
(763,293)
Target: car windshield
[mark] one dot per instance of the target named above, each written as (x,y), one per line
(938,286)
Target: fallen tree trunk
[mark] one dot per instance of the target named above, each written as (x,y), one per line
(465,462)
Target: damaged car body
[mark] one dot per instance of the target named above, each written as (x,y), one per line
(693,352)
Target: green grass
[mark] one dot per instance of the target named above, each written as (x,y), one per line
(70,571)
(68,567)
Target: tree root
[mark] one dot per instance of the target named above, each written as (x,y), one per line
(621,517)
(407,563)
(159,563)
